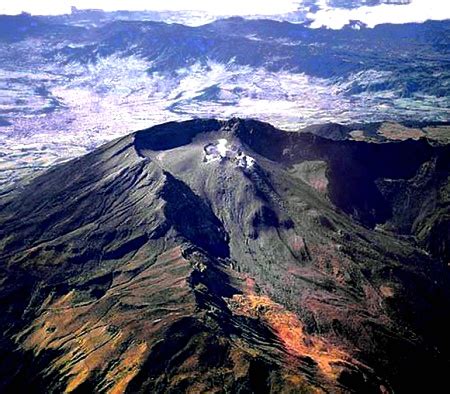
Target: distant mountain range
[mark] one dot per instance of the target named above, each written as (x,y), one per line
(69,83)
(305,13)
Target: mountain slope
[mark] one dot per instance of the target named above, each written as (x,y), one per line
(223,256)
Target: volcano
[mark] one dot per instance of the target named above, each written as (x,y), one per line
(229,256)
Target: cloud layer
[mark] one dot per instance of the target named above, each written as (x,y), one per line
(416,11)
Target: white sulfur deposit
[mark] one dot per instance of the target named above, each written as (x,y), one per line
(223,150)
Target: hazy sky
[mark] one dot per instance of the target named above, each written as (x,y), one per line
(417,11)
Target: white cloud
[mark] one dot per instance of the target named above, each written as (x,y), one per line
(416,11)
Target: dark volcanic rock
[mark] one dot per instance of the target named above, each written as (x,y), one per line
(154,265)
